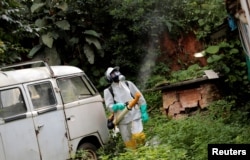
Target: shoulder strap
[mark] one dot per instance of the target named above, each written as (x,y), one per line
(127,83)
(129,89)
(112,93)
(111,90)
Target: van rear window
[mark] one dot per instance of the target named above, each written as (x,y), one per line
(11,103)
(74,88)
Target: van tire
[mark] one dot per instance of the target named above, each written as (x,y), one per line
(91,151)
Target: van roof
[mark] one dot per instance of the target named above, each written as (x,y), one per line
(32,74)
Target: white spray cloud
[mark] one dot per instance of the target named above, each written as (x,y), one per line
(152,50)
(146,67)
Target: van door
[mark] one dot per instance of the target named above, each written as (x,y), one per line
(84,108)
(49,121)
(17,135)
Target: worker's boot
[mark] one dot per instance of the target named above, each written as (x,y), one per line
(139,138)
(131,144)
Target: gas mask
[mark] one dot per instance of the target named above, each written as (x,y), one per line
(116,76)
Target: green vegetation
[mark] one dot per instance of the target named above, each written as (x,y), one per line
(96,34)
(186,139)
(228,58)
(116,32)
(12,30)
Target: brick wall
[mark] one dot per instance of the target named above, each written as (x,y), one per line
(183,102)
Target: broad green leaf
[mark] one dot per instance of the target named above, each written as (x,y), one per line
(73,40)
(245,77)
(94,41)
(243,64)
(194,67)
(92,33)
(234,50)
(224,44)
(34,50)
(213,49)
(48,53)
(54,34)
(207,28)
(63,6)
(214,58)
(89,53)
(64,24)
(217,57)
(36,6)
(40,22)
(226,69)
(52,55)
(201,22)
(47,40)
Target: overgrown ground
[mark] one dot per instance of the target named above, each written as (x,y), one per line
(186,139)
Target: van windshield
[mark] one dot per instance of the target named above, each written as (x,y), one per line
(74,88)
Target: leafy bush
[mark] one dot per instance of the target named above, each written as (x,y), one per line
(154,100)
(227,58)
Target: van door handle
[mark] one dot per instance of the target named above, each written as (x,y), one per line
(71,118)
(39,127)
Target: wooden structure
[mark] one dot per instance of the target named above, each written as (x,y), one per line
(185,98)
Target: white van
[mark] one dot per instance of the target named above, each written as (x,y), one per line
(49,113)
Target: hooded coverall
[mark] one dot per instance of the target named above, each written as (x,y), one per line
(131,127)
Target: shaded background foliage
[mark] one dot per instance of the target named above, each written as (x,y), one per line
(13,30)
(94,35)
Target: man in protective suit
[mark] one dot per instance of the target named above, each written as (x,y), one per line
(116,96)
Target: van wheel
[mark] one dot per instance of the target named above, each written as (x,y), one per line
(87,151)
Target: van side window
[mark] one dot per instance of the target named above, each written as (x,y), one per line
(42,95)
(73,89)
(11,102)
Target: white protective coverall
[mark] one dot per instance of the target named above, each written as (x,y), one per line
(131,127)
